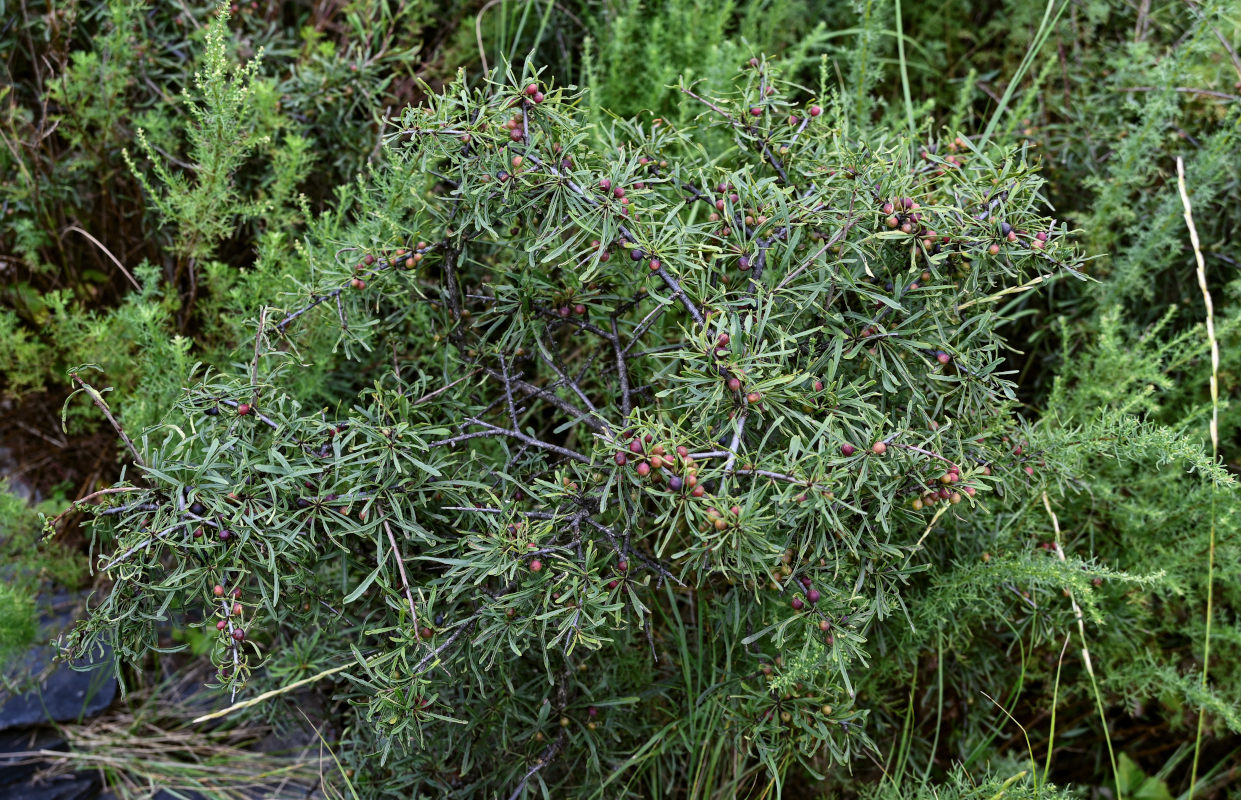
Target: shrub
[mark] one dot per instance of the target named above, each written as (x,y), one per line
(652,433)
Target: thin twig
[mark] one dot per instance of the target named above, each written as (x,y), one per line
(116,426)
(400,565)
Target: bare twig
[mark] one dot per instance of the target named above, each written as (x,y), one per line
(116,426)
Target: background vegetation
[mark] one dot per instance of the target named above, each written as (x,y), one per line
(172,180)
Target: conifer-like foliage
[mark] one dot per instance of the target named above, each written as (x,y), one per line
(650,438)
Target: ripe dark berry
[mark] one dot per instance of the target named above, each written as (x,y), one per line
(813,596)
(536,566)
(635,446)
(592,712)
(636,254)
(613,584)
(618,191)
(797,604)
(239,634)
(243,409)
(605,184)
(621,459)
(675,483)
(847,449)
(743,263)
(302,502)
(212,411)
(225,534)
(439,619)
(426,633)
(622,566)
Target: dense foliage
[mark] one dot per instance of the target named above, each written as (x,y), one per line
(802,423)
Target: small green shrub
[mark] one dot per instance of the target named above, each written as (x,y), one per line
(633,410)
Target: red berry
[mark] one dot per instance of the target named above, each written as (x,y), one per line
(579,309)
(621,459)
(622,566)
(536,565)
(239,634)
(219,590)
(818,386)
(538,97)
(797,604)
(243,409)
(532,89)
(847,449)
(697,491)
(815,111)
(221,625)
(756,112)
(655,265)
(644,469)
(734,384)
(813,596)
(943,357)
(426,633)
(605,184)
(619,191)
(879,448)
(635,447)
